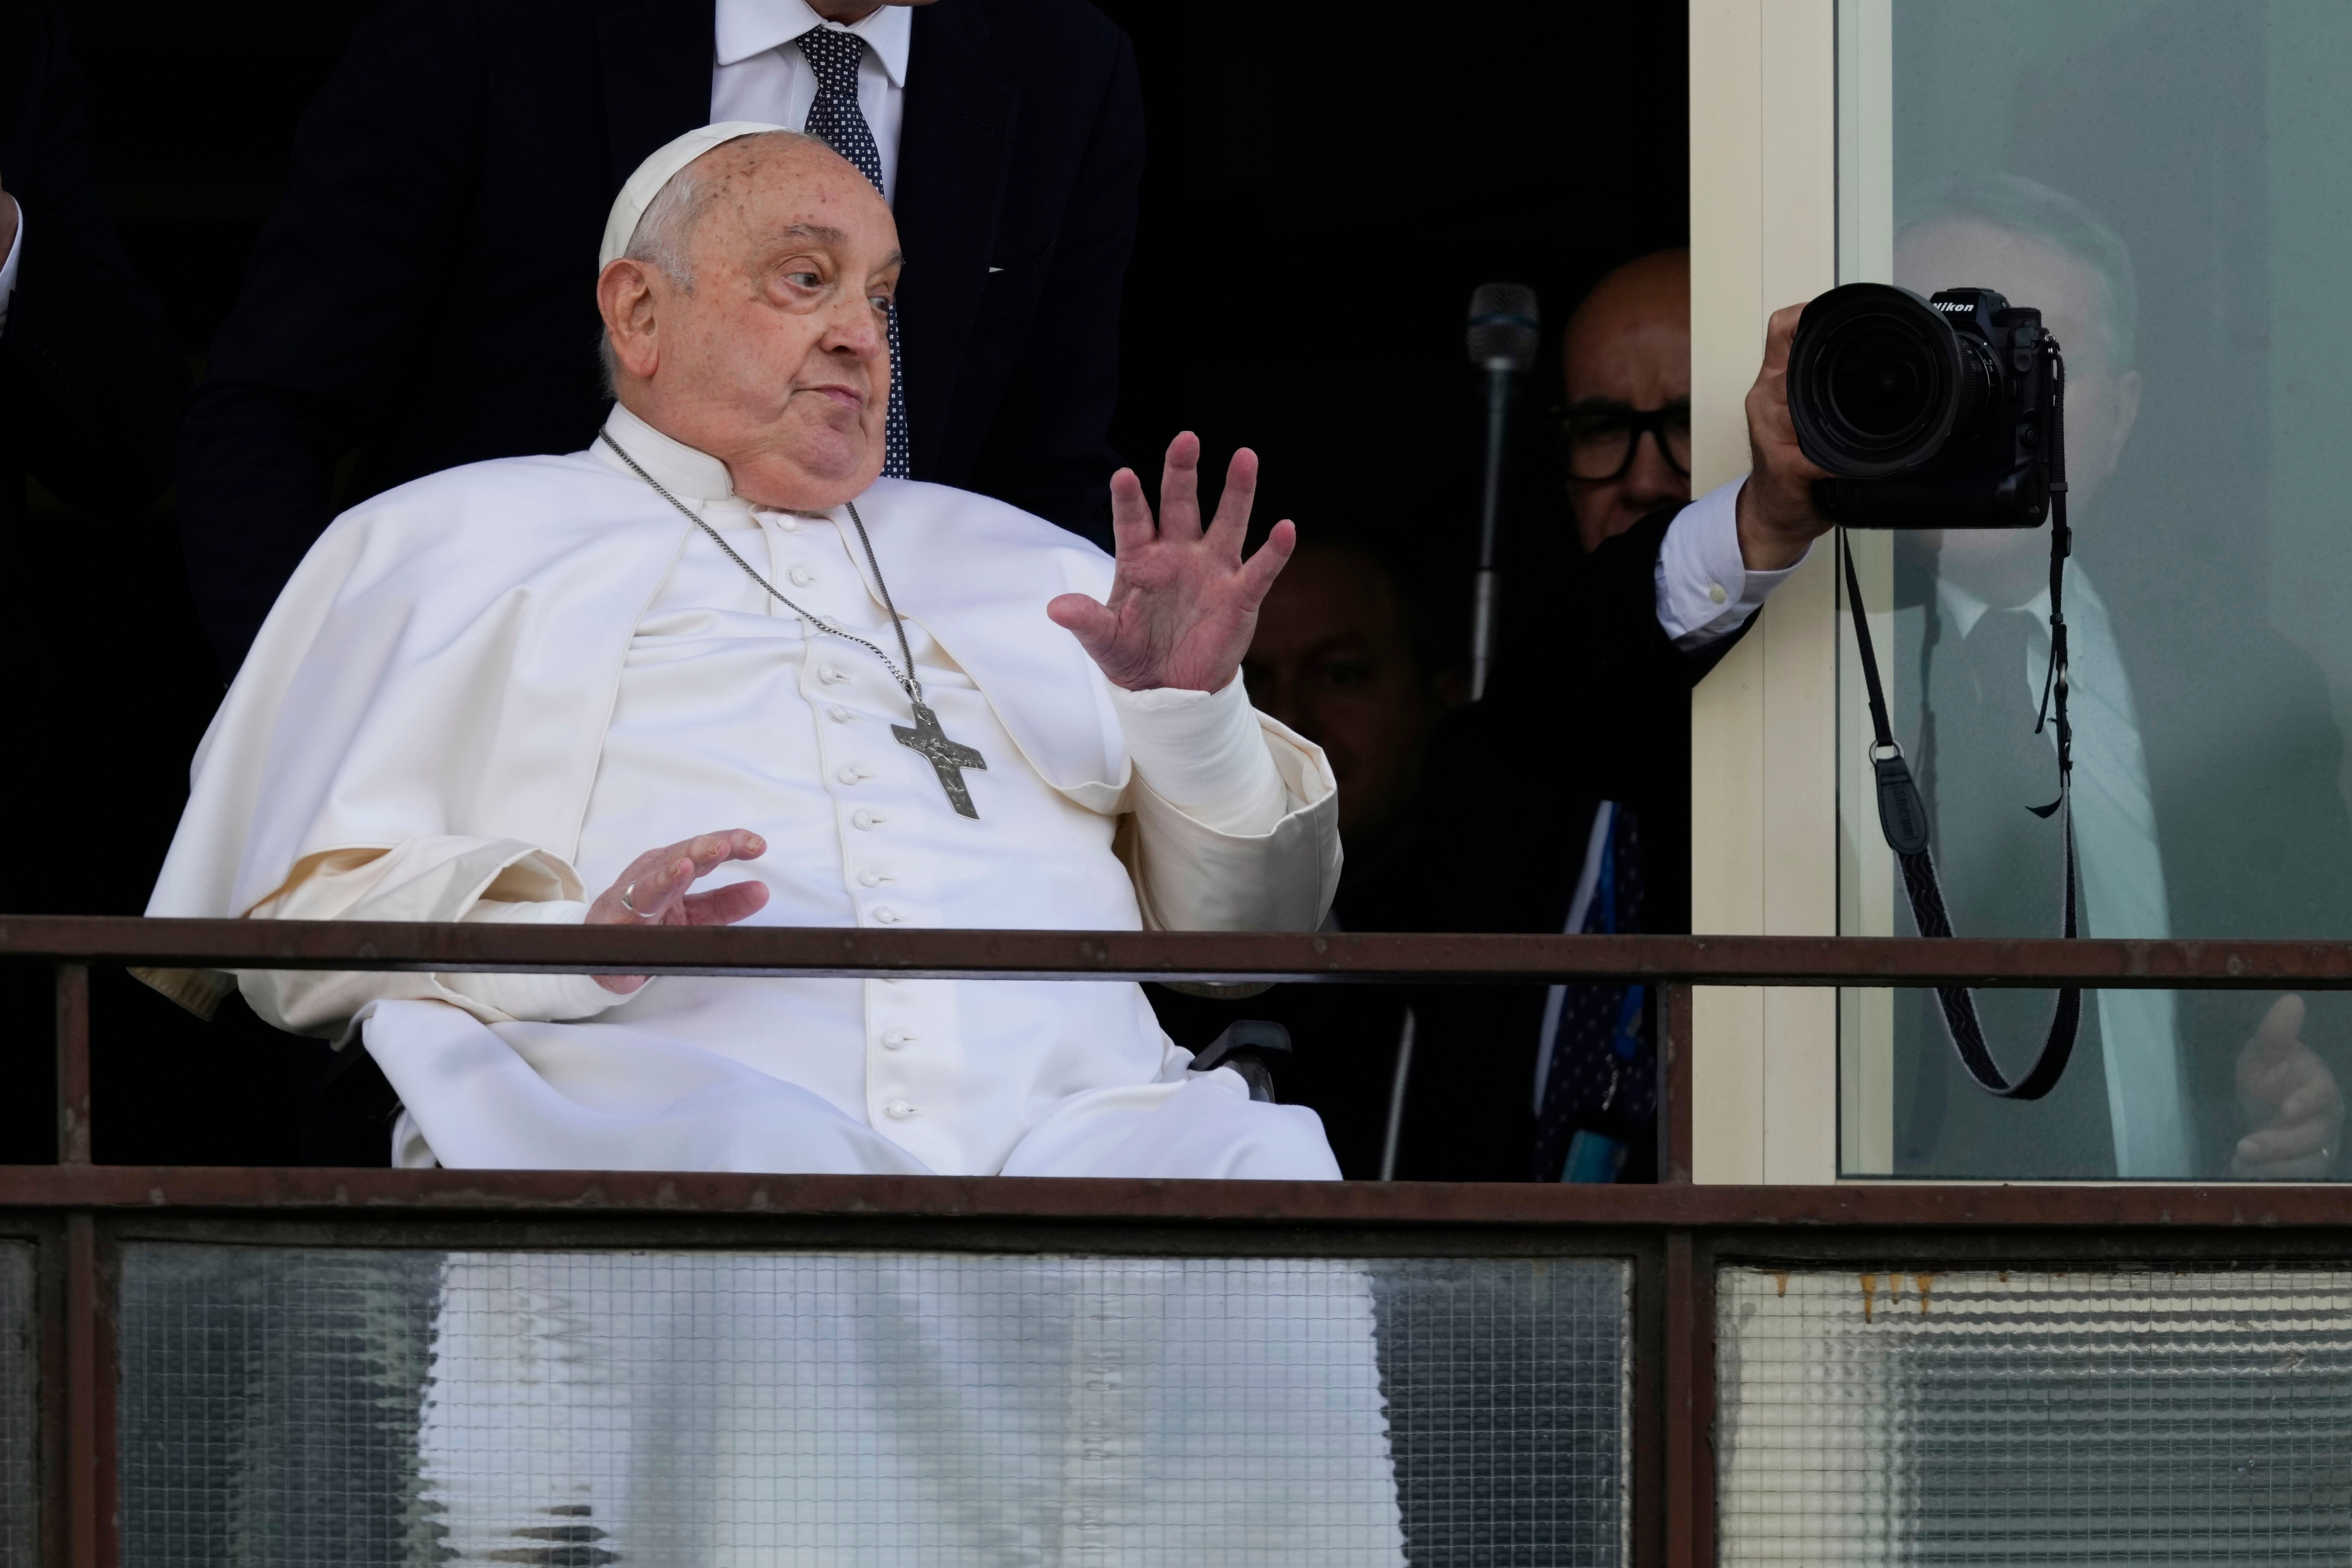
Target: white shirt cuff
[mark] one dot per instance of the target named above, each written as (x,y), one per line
(1203,753)
(535,999)
(1705,591)
(8,267)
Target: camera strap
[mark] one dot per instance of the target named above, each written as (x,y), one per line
(1903,815)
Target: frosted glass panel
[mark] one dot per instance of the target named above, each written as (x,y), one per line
(295,1407)
(2170,183)
(2155,1416)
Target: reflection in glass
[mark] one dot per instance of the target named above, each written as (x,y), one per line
(2107,162)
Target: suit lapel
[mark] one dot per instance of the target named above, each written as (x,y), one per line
(657,60)
(953,153)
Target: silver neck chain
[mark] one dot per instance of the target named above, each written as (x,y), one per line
(904,677)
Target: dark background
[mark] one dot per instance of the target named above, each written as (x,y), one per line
(1322,197)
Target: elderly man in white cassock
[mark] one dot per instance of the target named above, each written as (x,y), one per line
(714,670)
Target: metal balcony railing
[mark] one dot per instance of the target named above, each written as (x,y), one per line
(1743,1309)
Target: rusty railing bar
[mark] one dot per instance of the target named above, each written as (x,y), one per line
(1176,955)
(1675,1087)
(88,1416)
(1700,1438)
(1684,1421)
(365,1193)
(73,1064)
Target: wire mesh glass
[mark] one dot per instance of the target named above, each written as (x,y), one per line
(20,1522)
(285,1406)
(2144,1415)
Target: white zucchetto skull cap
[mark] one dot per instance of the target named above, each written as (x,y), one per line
(655,172)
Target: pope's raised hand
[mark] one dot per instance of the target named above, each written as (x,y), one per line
(652,892)
(1184,601)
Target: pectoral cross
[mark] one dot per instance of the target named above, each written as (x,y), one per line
(946,757)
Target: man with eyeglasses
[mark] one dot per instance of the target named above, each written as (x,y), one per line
(1557,1083)
(1624,422)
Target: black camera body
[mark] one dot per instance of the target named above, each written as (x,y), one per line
(1938,413)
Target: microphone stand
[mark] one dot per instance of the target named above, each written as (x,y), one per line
(1490,513)
(1502,340)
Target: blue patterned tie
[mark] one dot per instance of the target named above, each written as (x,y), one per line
(1603,1082)
(836,120)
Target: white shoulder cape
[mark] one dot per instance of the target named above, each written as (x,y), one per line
(445,660)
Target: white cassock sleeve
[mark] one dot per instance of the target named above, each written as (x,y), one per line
(1236,820)
(438,879)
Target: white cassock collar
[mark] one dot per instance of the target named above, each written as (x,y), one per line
(747,28)
(687,473)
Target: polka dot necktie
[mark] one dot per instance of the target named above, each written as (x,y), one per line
(836,120)
(1603,1074)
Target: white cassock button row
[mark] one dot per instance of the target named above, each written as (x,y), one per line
(850,772)
(1714,592)
(874,879)
(830,673)
(838,714)
(788,522)
(893,1039)
(887,915)
(801,576)
(866,821)
(899,1109)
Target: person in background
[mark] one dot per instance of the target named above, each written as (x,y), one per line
(1353,647)
(1577,815)
(2206,800)
(1514,1083)
(451,180)
(1625,375)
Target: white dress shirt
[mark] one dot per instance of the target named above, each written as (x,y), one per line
(1705,591)
(761,75)
(2121,861)
(8,266)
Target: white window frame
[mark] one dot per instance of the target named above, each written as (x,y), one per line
(1766,186)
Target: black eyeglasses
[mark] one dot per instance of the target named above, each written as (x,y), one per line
(1599,444)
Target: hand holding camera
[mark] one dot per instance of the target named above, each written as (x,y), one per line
(1778,516)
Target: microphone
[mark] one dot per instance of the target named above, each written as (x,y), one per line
(1503,336)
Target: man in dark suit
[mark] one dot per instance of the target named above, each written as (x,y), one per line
(2206,794)
(453,174)
(1507,1077)
(1511,813)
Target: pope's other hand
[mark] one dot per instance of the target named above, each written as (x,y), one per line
(1183,603)
(652,892)
(1777,519)
(2291,1099)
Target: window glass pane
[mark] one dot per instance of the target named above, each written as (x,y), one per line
(2168,181)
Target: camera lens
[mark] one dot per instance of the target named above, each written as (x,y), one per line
(1875,381)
